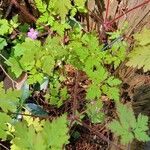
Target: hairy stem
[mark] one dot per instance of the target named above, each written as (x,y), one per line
(100,135)
(75,92)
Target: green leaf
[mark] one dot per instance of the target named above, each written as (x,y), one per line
(73,22)
(44,84)
(57,94)
(35,77)
(15,66)
(80,3)
(4,27)
(116,128)
(81,51)
(113,81)
(54,48)
(111,92)
(4,119)
(29,46)
(26,138)
(142,121)
(126,116)
(94,111)
(64,94)
(41,6)
(140,58)
(140,55)
(128,127)
(62,7)
(114,35)
(118,52)
(93,92)
(48,64)
(13,23)
(141,128)
(37,123)
(3,43)
(143,38)
(60,27)
(9,99)
(25,92)
(26,53)
(55,134)
(24,28)
(95,71)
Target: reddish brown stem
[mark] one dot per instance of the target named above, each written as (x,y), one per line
(138,6)
(75,92)
(24,11)
(107,10)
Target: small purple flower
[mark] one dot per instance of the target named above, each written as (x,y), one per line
(32,34)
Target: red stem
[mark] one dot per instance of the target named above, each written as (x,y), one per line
(107,9)
(140,5)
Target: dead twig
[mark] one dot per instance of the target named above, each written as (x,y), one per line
(4,146)
(23,10)
(8,11)
(13,81)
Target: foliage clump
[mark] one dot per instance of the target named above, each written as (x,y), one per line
(26,124)
(140,56)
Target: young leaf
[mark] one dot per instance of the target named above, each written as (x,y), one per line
(113,81)
(41,6)
(36,122)
(93,92)
(128,127)
(62,7)
(94,111)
